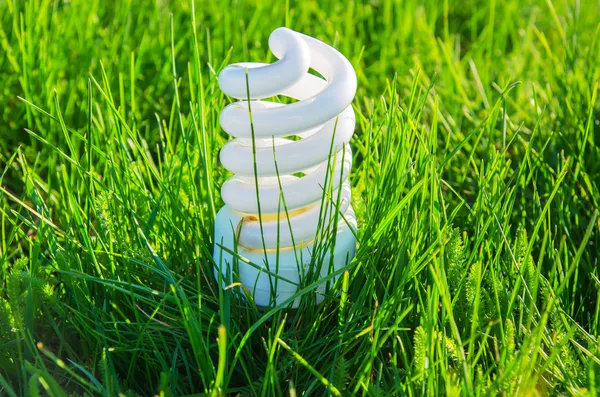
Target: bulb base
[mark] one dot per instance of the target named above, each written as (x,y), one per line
(276,275)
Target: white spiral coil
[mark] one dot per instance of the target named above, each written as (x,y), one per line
(322,117)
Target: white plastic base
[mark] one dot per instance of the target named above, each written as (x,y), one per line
(260,283)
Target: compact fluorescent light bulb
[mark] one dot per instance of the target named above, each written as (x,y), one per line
(323,119)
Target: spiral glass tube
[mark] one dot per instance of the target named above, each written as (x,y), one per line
(292,208)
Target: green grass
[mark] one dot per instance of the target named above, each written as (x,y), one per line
(476,185)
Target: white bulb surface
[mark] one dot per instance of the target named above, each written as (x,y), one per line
(324,119)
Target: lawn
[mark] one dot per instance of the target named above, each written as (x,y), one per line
(475,183)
